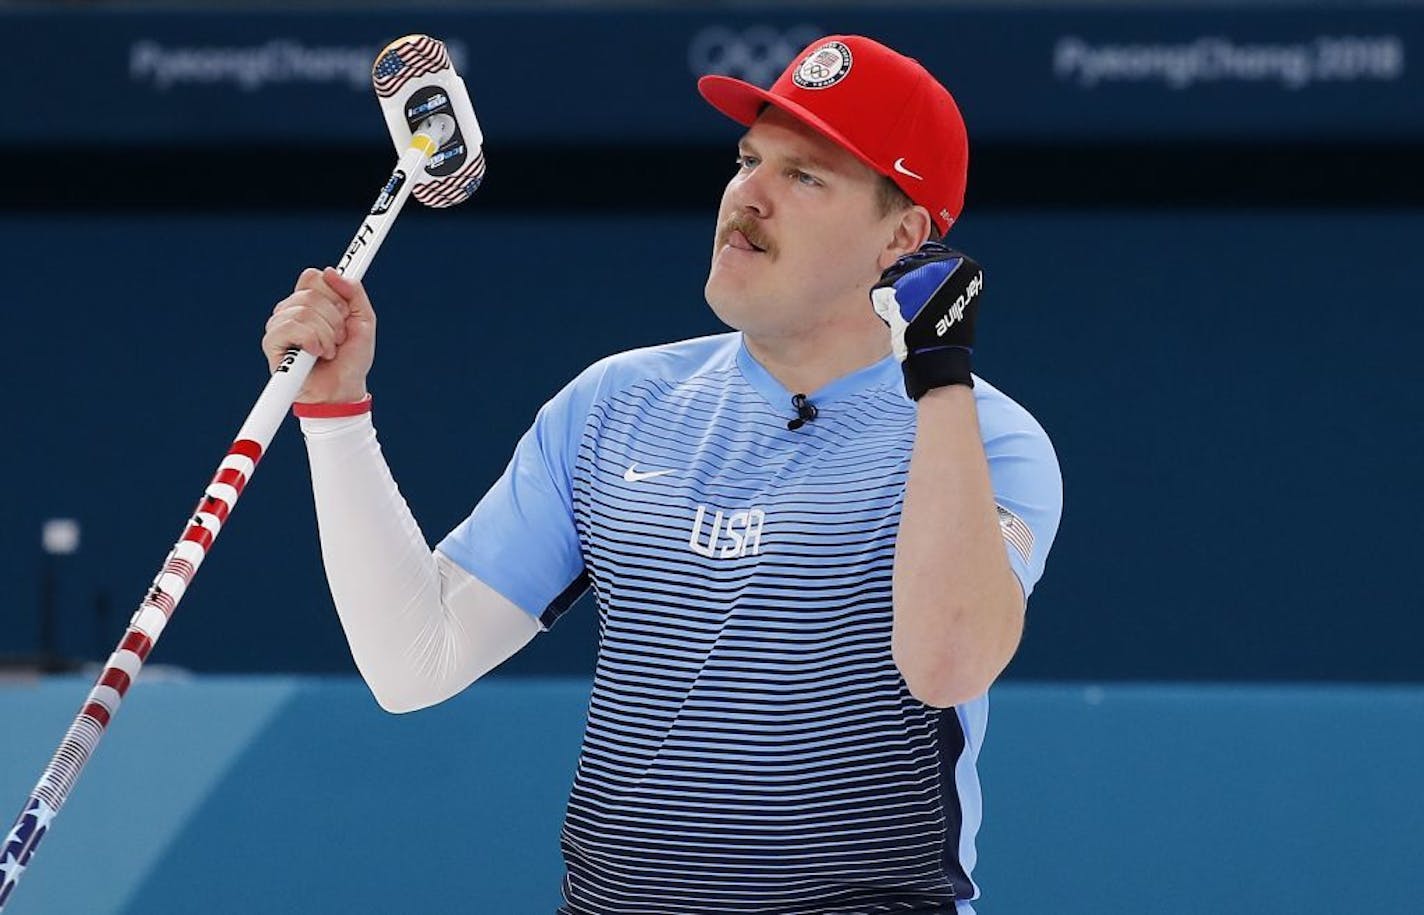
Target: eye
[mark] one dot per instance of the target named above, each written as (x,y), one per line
(805,178)
(747,161)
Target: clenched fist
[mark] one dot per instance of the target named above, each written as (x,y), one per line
(930,299)
(330,317)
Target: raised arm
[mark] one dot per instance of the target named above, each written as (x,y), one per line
(420,627)
(959,596)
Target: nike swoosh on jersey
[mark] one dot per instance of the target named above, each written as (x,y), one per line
(900,167)
(633,476)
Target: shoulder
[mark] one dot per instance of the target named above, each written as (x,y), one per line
(565,418)
(1015,443)
(669,363)
(1000,415)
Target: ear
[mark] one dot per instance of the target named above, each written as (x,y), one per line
(911,229)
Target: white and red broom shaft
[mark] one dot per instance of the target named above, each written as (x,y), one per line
(192,547)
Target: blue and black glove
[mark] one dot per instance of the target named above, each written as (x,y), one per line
(929,299)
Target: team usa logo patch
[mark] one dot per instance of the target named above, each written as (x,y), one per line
(823,67)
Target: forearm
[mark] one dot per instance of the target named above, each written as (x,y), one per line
(958,606)
(420,628)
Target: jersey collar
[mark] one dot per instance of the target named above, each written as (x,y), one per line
(884,373)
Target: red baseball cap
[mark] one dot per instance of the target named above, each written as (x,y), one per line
(880,106)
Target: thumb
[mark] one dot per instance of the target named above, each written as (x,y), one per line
(883,300)
(350,290)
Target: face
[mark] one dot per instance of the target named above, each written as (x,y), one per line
(800,238)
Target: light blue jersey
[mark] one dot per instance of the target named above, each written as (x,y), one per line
(751,746)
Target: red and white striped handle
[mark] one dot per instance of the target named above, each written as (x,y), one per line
(188,553)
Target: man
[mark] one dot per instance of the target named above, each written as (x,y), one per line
(811,541)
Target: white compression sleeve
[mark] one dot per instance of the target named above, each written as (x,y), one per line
(421,628)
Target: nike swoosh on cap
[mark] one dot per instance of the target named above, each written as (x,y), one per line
(900,167)
(633,476)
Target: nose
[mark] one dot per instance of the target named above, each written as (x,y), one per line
(748,193)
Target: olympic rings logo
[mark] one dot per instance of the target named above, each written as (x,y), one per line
(756,54)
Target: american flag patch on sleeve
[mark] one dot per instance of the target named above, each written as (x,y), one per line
(1016,533)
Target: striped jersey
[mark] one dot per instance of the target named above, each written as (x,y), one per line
(750,745)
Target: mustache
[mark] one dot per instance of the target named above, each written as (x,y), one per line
(748,227)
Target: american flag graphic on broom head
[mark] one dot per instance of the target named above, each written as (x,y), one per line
(405,59)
